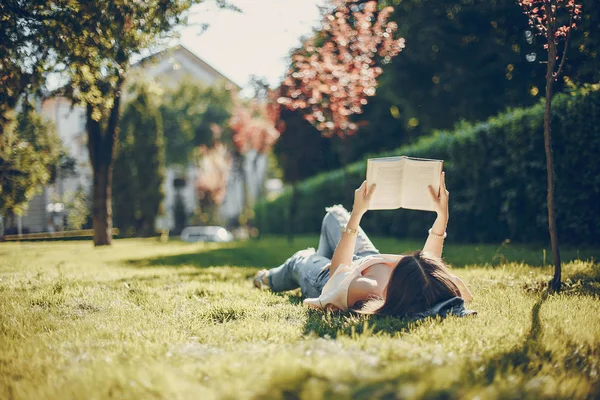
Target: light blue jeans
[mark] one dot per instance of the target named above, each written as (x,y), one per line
(305,268)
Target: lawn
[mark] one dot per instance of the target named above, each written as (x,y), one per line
(144,319)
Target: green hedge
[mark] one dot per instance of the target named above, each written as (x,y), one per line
(496,176)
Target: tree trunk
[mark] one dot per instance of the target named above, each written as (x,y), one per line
(102,151)
(102,205)
(555,282)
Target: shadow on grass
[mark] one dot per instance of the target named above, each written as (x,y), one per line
(334,324)
(242,256)
(272,251)
(532,355)
(528,358)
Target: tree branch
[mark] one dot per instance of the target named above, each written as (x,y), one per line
(564,54)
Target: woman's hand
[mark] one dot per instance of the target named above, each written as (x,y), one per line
(440,201)
(362,198)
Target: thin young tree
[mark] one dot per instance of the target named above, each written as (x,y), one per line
(553,20)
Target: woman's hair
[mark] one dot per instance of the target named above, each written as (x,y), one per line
(418,282)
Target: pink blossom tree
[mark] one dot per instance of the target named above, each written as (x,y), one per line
(335,71)
(553,20)
(253,127)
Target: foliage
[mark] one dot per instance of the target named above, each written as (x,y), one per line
(254,134)
(139,165)
(77,205)
(66,167)
(29,150)
(496,177)
(546,17)
(179,320)
(217,132)
(24,58)
(472,60)
(334,72)
(301,150)
(196,131)
(190,113)
(252,127)
(464,60)
(92,44)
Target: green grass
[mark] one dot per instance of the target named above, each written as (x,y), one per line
(143,319)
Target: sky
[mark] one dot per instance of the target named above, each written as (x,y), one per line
(254,42)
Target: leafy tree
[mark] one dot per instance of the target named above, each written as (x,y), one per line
(97,51)
(196,132)
(553,20)
(465,59)
(189,113)
(24,57)
(78,208)
(210,127)
(336,70)
(29,149)
(91,43)
(139,165)
(469,59)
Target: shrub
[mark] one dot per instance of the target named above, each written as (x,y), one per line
(496,174)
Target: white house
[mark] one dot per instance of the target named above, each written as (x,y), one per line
(167,68)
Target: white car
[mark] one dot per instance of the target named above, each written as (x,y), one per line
(206,234)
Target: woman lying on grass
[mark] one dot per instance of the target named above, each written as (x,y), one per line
(356,277)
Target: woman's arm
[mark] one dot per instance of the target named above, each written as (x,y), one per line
(437,233)
(345,249)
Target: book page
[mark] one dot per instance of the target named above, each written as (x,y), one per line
(386,173)
(418,175)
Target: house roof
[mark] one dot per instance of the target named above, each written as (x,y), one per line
(193,57)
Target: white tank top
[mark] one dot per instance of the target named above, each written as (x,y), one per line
(335,291)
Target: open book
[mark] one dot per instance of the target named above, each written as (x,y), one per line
(402,182)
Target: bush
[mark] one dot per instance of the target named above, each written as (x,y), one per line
(496,173)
